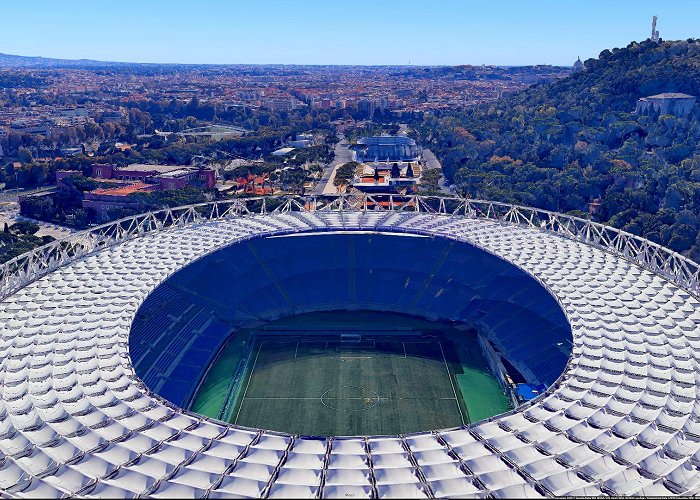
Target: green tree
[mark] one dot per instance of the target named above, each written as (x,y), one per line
(25,155)
(24,227)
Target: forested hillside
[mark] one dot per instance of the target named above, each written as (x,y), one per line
(563,145)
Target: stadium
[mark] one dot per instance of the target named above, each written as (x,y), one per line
(222,349)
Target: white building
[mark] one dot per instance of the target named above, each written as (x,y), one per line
(668,103)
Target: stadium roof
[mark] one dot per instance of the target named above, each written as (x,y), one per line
(624,418)
(389,140)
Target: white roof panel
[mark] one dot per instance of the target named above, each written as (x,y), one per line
(69,389)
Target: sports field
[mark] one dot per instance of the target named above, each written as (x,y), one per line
(391,381)
(333,387)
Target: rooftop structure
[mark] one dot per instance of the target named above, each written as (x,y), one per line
(121,190)
(167,176)
(140,178)
(102,201)
(578,66)
(282,151)
(623,419)
(150,168)
(215,132)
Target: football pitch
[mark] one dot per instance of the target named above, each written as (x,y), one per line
(382,385)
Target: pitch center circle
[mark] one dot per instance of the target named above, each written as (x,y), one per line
(350,398)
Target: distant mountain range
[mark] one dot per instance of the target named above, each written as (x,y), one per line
(12,61)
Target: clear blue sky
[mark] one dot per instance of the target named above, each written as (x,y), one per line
(423,32)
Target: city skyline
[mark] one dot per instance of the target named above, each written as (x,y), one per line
(505,32)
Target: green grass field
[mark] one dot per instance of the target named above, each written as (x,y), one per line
(392,381)
(209,400)
(332,387)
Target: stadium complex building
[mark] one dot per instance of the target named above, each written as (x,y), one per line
(93,401)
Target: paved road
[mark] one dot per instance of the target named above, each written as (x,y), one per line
(9,214)
(432,162)
(11,195)
(342,156)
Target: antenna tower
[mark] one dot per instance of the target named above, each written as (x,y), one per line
(654,33)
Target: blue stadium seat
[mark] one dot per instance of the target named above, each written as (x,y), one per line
(266,278)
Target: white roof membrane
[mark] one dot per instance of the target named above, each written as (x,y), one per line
(623,419)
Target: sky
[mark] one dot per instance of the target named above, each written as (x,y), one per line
(363,32)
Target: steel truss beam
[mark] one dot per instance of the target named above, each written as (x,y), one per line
(30,266)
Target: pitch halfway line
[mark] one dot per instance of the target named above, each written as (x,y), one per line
(350,399)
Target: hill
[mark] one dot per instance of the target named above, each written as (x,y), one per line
(12,61)
(563,145)
(9,62)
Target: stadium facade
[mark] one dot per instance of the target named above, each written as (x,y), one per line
(623,418)
(386,148)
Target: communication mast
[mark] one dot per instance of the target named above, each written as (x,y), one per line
(654,33)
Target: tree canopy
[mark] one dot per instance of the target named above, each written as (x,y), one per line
(563,145)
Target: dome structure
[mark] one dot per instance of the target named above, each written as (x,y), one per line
(578,66)
(623,418)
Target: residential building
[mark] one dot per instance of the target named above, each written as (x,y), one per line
(166,176)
